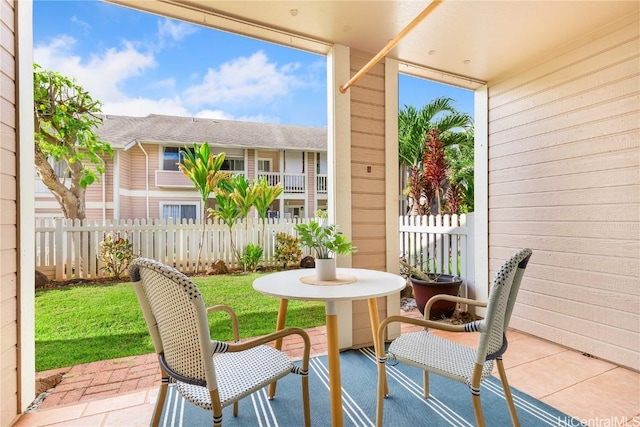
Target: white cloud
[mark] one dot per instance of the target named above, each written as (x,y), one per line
(102,73)
(214,114)
(168,83)
(260,118)
(220,94)
(141,107)
(174,30)
(82,24)
(223,115)
(243,80)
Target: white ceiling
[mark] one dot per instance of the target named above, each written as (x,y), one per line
(477,40)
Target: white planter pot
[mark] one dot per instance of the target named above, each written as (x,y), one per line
(326,269)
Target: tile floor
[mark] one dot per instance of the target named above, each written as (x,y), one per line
(122,392)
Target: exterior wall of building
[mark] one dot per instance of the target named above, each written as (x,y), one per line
(368,223)
(138,174)
(135,207)
(17,348)
(99,195)
(123,191)
(8,220)
(123,160)
(274,156)
(311,184)
(564,165)
(251,164)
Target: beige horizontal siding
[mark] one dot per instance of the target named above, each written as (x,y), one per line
(137,168)
(368,225)
(94,192)
(564,179)
(124,169)
(9,364)
(274,156)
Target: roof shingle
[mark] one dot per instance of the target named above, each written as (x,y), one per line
(121,131)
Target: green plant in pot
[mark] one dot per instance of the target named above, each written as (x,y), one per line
(426,284)
(326,241)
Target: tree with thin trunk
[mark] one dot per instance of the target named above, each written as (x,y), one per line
(242,195)
(265,195)
(65,119)
(227,210)
(202,167)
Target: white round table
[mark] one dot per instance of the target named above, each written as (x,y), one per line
(368,284)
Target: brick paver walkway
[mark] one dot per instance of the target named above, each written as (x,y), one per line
(106,378)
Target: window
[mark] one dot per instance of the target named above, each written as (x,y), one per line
(233,165)
(60,168)
(171,157)
(179,211)
(264,165)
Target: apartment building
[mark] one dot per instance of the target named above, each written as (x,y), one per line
(142,179)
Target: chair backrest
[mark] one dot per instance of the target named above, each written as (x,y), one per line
(177,321)
(502,298)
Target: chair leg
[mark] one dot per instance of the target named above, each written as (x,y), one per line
(305,401)
(382,382)
(477,409)
(425,384)
(235,409)
(216,408)
(162,395)
(507,393)
(475,395)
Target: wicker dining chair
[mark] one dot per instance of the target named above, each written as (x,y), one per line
(208,373)
(441,356)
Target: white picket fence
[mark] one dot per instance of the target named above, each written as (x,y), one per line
(69,249)
(440,244)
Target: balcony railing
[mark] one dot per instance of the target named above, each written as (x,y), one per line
(291,182)
(273,178)
(321,184)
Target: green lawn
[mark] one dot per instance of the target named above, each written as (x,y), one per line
(82,324)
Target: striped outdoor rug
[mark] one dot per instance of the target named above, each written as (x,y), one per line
(449,404)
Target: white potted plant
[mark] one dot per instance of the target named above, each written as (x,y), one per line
(327,241)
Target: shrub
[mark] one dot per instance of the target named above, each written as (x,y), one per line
(251,256)
(287,250)
(116,254)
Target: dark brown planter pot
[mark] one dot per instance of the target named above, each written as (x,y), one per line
(445,284)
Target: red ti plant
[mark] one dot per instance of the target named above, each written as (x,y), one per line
(419,188)
(454,199)
(435,164)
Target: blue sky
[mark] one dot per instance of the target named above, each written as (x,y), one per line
(137,63)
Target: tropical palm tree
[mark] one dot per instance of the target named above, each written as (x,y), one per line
(413,124)
(202,167)
(413,127)
(461,170)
